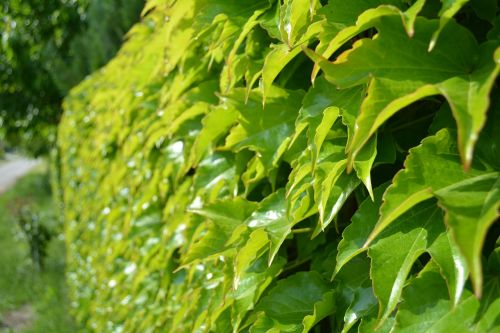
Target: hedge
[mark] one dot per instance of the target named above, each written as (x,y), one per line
(289,166)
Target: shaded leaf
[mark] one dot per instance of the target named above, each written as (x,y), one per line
(297,302)
(421,179)
(264,130)
(393,255)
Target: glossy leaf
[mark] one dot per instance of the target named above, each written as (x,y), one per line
(271,216)
(297,302)
(449,9)
(394,255)
(472,206)
(357,232)
(427,309)
(263,129)
(419,182)
(196,202)
(441,72)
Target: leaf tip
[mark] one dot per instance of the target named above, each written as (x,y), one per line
(314,73)
(432,44)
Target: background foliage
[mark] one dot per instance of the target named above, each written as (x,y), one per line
(212,187)
(23,285)
(48,47)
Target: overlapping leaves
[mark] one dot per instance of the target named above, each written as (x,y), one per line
(197,202)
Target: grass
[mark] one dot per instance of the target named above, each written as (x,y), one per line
(21,283)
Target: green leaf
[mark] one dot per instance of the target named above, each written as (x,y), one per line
(328,184)
(226,213)
(322,130)
(224,218)
(460,319)
(215,124)
(322,96)
(345,21)
(426,307)
(294,18)
(252,283)
(320,171)
(446,70)
(355,291)
(452,264)
(369,324)
(396,251)
(271,216)
(331,191)
(298,302)
(490,321)
(229,75)
(448,10)
(422,179)
(216,170)
(356,233)
(263,130)
(248,253)
(279,56)
(471,207)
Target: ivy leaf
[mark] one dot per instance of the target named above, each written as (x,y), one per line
(214,171)
(225,216)
(460,319)
(294,18)
(271,216)
(357,232)
(426,307)
(446,71)
(279,56)
(421,179)
(322,96)
(448,10)
(396,251)
(229,73)
(471,208)
(452,264)
(328,184)
(489,322)
(355,291)
(348,20)
(425,302)
(215,124)
(332,191)
(248,253)
(252,283)
(297,302)
(320,171)
(264,129)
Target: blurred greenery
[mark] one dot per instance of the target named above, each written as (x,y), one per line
(20,281)
(46,48)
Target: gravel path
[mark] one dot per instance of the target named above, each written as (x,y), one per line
(14,168)
(11,169)
(17,320)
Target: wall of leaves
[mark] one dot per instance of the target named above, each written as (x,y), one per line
(289,166)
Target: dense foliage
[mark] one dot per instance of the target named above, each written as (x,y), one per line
(196,201)
(46,48)
(30,297)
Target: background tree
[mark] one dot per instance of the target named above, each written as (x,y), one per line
(46,48)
